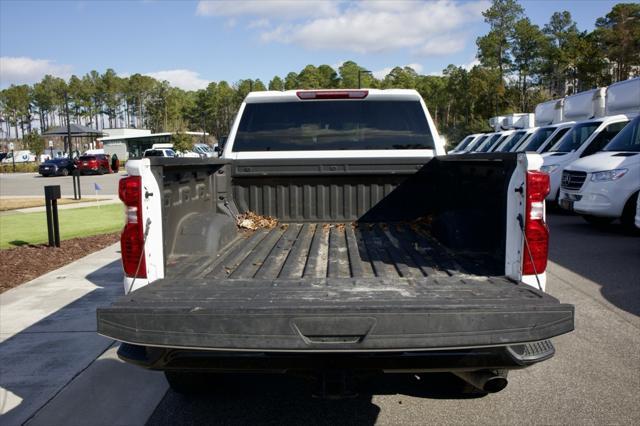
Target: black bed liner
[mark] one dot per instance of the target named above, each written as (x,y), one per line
(334,287)
(333,250)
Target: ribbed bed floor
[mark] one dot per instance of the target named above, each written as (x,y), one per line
(324,250)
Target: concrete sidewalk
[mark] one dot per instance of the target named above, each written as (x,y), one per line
(53,364)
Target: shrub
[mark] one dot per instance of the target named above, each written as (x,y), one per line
(20,168)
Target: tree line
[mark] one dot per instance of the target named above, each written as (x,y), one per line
(520,65)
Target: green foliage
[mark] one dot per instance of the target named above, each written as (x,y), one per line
(276,83)
(619,32)
(34,143)
(181,142)
(20,168)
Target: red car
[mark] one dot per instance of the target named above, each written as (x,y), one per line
(94,163)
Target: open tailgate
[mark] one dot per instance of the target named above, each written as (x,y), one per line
(375,314)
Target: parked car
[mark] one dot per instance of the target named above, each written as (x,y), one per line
(57,167)
(97,163)
(204,150)
(605,186)
(389,255)
(159,152)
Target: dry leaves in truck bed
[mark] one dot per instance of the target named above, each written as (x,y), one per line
(253,221)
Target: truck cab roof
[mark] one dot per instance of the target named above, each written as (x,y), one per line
(329,94)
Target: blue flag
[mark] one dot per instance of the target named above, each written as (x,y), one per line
(97,187)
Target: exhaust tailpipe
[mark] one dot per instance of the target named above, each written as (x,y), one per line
(486,381)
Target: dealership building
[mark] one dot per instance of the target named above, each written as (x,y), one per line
(131,143)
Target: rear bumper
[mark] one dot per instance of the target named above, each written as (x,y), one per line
(505,357)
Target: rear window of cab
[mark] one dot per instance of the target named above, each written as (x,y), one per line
(333,125)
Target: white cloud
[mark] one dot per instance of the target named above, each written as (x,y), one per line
(442,45)
(21,70)
(426,28)
(278,9)
(184,79)
(380,74)
(259,23)
(471,64)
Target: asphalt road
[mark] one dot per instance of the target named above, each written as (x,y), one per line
(593,379)
(54,368)
(32,184)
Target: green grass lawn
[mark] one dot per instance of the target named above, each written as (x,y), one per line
(31,228)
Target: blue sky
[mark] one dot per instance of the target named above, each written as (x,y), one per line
(191,43)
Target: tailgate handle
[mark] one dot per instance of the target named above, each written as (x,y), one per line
(333,330)
(334,339)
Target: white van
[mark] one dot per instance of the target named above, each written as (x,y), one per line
(544,138)
(550,127)
(604,186)
(514,140)
(475,143)
(495,141)
(20,157)
(589,136)
(483,144)
(462,145)
(204,150)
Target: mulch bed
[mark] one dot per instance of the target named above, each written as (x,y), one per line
(21,264)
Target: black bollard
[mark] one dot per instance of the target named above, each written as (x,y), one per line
(77,195)
(51,196)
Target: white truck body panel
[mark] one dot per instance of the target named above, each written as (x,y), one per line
(549,112)
(623,96)
(585,105)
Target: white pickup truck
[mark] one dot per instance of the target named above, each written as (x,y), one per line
(334,237)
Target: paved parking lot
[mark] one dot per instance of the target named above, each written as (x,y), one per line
(593,379)
(32,184)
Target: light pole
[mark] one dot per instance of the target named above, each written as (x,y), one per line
(66,110)
(13,157)
(204,126)
(360,72)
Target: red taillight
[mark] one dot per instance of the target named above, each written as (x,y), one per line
(132,238)
(130,189)
(332,94)
(534,259)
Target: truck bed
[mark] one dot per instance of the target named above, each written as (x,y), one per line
(332,250)
(334,287)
